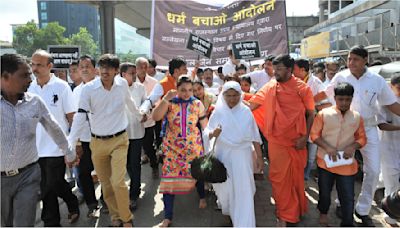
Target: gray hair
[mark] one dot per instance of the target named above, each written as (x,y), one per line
(43,53)
(141,60)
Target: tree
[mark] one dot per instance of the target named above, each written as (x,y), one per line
(52,34)
(129,57)
(24,38)
(85,40)
(29,37)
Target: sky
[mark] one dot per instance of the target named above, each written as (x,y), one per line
(22,11)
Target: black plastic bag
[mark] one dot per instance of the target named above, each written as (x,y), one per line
(208,168)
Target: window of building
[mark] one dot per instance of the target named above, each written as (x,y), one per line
(43,15)
(43,5)
(44,24)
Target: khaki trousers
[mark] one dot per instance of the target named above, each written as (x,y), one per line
(109,159)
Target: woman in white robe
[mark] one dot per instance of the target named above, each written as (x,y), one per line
(233,123)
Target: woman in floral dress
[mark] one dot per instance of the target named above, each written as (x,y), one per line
(182,143)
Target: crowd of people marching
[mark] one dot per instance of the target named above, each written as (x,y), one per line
(291,112)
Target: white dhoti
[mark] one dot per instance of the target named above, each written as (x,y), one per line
(371,169)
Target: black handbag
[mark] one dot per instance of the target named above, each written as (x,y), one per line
(208,168)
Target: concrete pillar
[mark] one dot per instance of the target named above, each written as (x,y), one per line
(329,8)
(107,28)
(321,13)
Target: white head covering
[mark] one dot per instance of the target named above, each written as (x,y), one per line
(237,123)
(227,86)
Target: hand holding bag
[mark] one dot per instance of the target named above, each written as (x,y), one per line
(208,168)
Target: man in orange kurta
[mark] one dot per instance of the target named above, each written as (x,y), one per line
(284,111)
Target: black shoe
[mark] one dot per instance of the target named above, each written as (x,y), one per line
(338,212)
(366,220)
(133,205)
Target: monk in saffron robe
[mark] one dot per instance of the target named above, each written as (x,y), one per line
(284,111)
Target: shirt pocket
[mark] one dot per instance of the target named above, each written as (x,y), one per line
(369,97)
(29,124)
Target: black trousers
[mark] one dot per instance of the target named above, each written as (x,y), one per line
(157,131)
(148,146)
(133,167)
(53,185)
(85,177)
(345,191)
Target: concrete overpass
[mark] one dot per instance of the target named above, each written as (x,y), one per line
(135,13)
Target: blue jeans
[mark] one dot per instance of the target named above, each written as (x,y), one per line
(345,190)
(312,154)
(133,167)
(169,200)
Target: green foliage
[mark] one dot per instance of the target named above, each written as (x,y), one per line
(129,57)
(85,40)
(24,37)
(52,34)
(29,38)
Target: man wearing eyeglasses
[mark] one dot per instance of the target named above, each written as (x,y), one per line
(287,106)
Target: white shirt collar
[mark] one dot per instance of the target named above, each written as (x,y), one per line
(97,82)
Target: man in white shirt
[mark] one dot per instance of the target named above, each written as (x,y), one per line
(389,146)
(261,77)
(301,70)
(106,98)
(370,92)
(74,74)
(229,68)
(151,133)
(58,97)
(86,70)
(135,132)
(152,71)
(332,67)
(209,85)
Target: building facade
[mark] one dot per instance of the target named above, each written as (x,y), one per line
(374,24)
(296,27)
(72,16)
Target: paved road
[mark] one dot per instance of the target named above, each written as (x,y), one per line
(186,211)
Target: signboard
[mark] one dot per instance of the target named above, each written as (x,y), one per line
(221,25)
(200,45)
(316,46)
(246,50)
(63,55)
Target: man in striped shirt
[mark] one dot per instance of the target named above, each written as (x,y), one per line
(20,114)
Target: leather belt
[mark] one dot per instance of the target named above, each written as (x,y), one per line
(108,136)
(14,172)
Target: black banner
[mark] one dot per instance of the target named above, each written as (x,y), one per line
(246,50)
(200,45)
(63,55)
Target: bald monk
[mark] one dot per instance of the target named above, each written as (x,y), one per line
(284,111)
